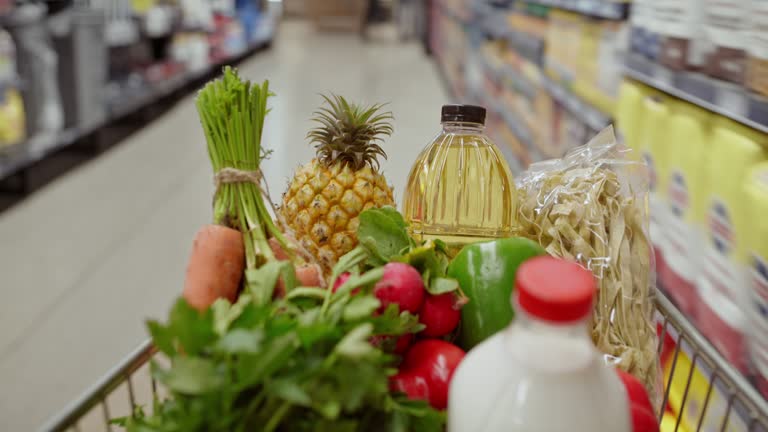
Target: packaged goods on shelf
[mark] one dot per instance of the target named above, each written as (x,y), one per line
(562,44)
(669,423)
(682,28)
(12,126)
(733,150)
(686,137)
(757,46)
(586,55)
(652,126)
(7,58)
(628,112)
(690,384)
(642,36)
(756,304)
(726,30)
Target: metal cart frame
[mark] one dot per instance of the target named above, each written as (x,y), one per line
(742,399)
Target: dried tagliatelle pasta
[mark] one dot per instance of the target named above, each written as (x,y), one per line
(590,207)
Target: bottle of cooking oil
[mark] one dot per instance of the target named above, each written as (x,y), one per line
(460,188)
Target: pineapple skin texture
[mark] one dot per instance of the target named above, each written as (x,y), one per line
(322,205)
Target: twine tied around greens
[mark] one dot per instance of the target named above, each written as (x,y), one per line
(229,175)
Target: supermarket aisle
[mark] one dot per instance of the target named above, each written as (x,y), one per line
(87,259)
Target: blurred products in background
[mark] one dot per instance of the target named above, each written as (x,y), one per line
(70,68)
(684,82)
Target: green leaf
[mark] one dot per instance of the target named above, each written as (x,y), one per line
(261,281)
(355,343)
(330,409)
(193,329)
(162,338)
(349,261)
(289,390)
(393,322)
(225,313)
(191,376)
(382,235)
(360,307)
(310,335)
(311,292)
(442,285)
(255,367)
(357,281)
(430,261)
(240,341)
(394,215)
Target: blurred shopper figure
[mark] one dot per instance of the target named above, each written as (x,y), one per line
(411,16)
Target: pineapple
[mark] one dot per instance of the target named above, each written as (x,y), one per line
(326,195)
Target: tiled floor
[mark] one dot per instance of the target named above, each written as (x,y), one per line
(85,260)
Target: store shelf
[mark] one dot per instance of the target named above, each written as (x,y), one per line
(118,105)
(586,113)
(528,46)
(507,74)
(726,99)
(606,9)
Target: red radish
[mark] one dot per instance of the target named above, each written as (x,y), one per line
(439,314)
(403,342)
(340,280)
(215,266)
(643,420)
(635,390)
(427,370)
(401,284)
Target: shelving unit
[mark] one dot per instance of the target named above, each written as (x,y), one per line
(589,115)
(16,158)
(605,9)
(726,99)
(723,398)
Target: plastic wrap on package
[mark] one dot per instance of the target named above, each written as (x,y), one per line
(591,207)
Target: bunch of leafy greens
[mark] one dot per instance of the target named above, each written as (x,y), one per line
(302,363)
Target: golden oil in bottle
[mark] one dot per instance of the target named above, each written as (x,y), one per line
(460,188)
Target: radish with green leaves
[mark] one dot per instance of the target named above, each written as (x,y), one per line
(402,285)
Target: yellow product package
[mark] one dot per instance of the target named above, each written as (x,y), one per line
(591,207)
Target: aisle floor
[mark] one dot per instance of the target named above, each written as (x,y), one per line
(86,259)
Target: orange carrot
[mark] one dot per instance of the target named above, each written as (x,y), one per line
(215,266)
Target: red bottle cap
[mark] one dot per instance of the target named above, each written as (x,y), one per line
(555,290)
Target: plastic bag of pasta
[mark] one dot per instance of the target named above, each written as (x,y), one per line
(591,207)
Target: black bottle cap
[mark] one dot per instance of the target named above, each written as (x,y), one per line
(462,113)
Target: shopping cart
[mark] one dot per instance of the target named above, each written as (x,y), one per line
(727,402)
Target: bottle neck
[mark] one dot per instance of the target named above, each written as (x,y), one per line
(463,127)
(573,329)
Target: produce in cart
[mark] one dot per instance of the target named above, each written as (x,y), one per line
(324,199)
(271,354)
(232,113)
(589,207)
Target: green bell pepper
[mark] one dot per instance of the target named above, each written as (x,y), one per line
(486,274)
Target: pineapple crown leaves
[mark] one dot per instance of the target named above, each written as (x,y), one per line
(350,133)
